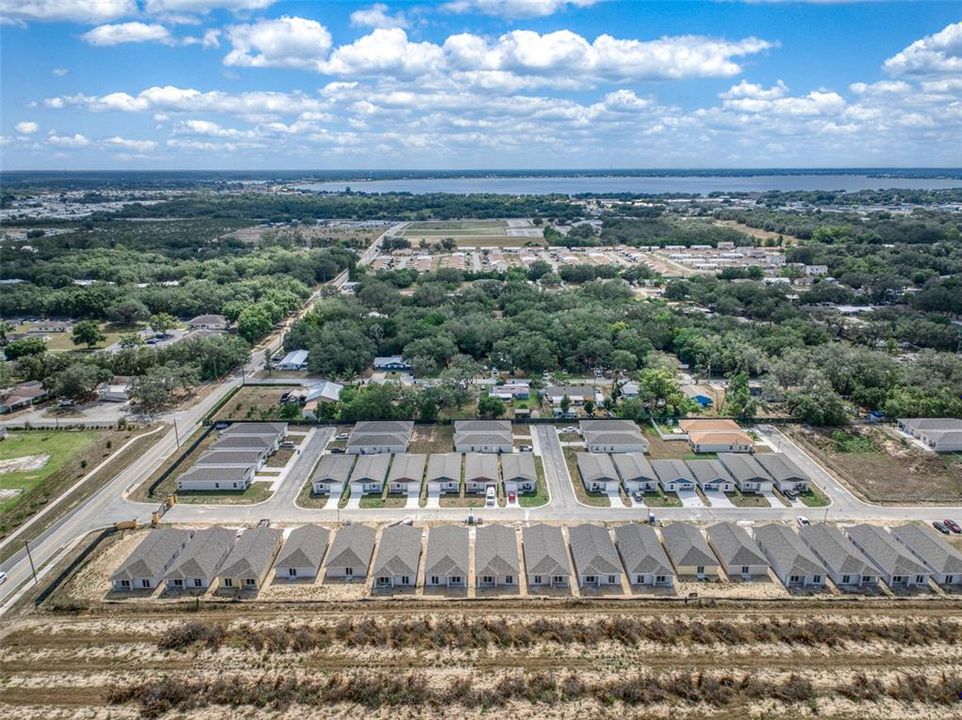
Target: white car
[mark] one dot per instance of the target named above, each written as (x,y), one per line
(491,497)
(3,577)
(803,521)
(343,436)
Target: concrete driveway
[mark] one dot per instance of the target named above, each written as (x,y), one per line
(353,502)
(718,499)
(434,499)
(690,499)
(414,497)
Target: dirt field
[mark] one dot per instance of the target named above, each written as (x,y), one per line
(888,468)
(758,233)
(260,402)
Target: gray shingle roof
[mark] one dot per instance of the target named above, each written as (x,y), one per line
(518,466)
(447,552)
(781,467)
(224,458)
(884,551)
(788,554)
(304,548)
(641,551)
(380,432)
(334,468)
(483,426)
(352,547)
(253,553)
(612,432)
(544,551)
(734,546)
(444,466)
(686,546)
(371,468)
(835,550)
(483,432)
(596,466)
(744,468)
(942,424)
(480,466)
(243,442)
(671,470)
(496,551)
(407,467)
(272,429)
(216,474)
(203,554)
(398,551)
(592,550)
(152,554)
(708,471)
(634,466)
(931,549)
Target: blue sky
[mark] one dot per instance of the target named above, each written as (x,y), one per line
(257,84)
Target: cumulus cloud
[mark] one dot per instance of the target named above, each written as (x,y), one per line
(171,7)
(940,53)
(130,32)
(140,146)
(287,42)
(745,89)
(81,11)
(67,141)
(26,127)
(377,16)
(515,8)
(210,128)
(384,51)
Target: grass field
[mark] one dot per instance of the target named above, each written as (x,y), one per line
(596,499)
(473,233)
(540,495)
(253,402)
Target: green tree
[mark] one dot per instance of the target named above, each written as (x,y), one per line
(491,407)
(162,322)
(128,311)
(87,332)
(130,340)
(428,409)
(589,407)
(565,404)
(16,349)
(739,398)
(254,323)
(79,380)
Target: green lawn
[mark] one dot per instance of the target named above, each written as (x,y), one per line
(596,499)
(814,497)
(61,446)
(306,497)
(540,495)
(750,500)
(658,498)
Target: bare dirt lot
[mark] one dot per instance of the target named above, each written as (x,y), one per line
(881,467)
(254,402)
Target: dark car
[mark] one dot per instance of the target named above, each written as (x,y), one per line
(337,451)
(952,525)
(941,528)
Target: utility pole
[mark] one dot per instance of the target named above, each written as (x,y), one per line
(26,545)
(176,433)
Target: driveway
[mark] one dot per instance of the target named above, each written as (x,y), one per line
(353,502)
(434,498)
(690,499)
(414,497)
(773,499)
(718,499)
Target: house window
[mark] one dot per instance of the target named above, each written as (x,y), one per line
(348,572)
(744,569)
(846,579)
(228,582)
(405,580)
(145,583)
(537,580)
(949,579)
(591,579)
(455,579)
(700,570)
(898,579)
(612,579)
(125,583)
(383,581)
(920,579)
(235,486)
(217,486)
(509,579)
(487,580)
(435,580)
(660,579)
(640,580)
(794,580)
(558,579)
(250,582)
(817,579)
(198,582)
(292,572)
(177,582)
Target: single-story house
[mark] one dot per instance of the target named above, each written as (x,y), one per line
(317,395)
(145,567)
(114,392)
(208,322)
(480,472)
(513,390)
(786,474)
(250,559)
(446,560)
(197,566)
(597,472)
(262,443)
(844,563)
(273,430)
(483,436)
(496,556)
(302,553)
(406,474)
(711,475)
(739,554)
(895,565)
(595,558)
(614,436)
(577,394)
(545,556)
(933,551)
(519,473)
(331,474)
(51,326)
(371,437)
(630,390)
(792,560)
(940,434)
(294,360)
(392,363)
(689,552)
(636,472)
(673,475)
(206,479)
(643,556)
(232,458)
(397,558)
(350,555)
(368,475)
(444,473)
(749,476)
(22,396)
(715,435)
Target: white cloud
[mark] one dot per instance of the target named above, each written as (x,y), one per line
(26,127)
(288,42)
(60,72)
(883,87)
(745,89)
(169,7)
(67,141)
(940,53)
(130,32)
(140,146)
(207,127)
(81,11)
(377,16)
(515,8)
(384,51)
(210,39)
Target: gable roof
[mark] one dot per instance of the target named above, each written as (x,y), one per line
(708,425)
(592,550)
(734,546)
(407,467)
(444,466)
(781,467)
(482,426)
(641,551)
(634,466)
(480,466)
(596,466)
(334,468)
(788,554)
(544,551)
(930,548)
(352,547)
(380,432)
(242,442)
(686,546)
(670,470)
(253,553)
(398,551)
(518,466)
(370,467)
(230,474)
(274,429)
(884,551)
(937,424)
(227,458)
(152,554)
(707,471)
(496,551)
(304,548)
(744,468)
(835,550)
(447,552)
(203,554)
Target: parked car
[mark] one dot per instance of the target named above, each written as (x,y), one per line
(952,525)
(790,494)
(512,497)
(491,497)
(337,451)
(525,448)
(287,444)
(941,527)
(3,577)
(638,496)
(343,436)
(803,521)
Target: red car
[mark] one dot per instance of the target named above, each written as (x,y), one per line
(512,497)
(953,526)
